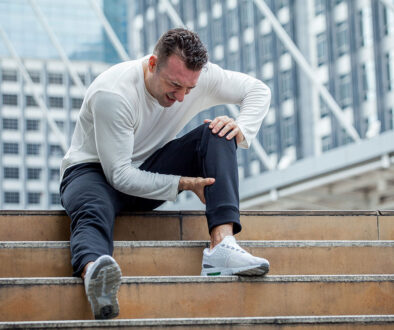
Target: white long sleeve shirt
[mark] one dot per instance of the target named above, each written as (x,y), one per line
(121,124)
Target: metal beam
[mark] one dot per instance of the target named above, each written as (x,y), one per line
(304,65)
(177,21)
(109,31)
(37,97)
(58,46)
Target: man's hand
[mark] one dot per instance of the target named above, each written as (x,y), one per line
(196,185)
(224,124)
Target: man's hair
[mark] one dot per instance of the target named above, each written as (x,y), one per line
(184,43)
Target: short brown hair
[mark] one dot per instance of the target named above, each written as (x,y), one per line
(184,43)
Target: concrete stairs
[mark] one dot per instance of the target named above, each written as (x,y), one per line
(329,270)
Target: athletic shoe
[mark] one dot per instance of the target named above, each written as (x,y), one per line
(228,258)
(102,282)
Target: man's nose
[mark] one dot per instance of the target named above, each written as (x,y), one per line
(180,95)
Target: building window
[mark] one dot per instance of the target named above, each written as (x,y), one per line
(10,99)
(60,125)
(365,26)
(11,197)
(282,48)
(388,21)
(35,76)
(232,22)
(11,173)
(9,75)
(321,43)
(30,101)
(55,199)
(345,91)
(55,102)
(33,198)
(76,102)
(368,81)
(246,13)
(10,124)
(390,70)
(326,143)
(32,124)
(285,85)
(10,148)
(266,45)
(319,7)
(269,138)
(55,150)
(55,78)
(342,38)
(33,173)
(324,111)
(33,149)
(288,131)
(54,174)
(82,77)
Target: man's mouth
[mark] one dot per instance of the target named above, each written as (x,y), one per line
(170,99)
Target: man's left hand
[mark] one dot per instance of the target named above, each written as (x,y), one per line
(223,125)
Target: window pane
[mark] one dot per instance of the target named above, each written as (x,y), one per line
(11,197)
(33,149)
(10,99)
(55,78)
(9,75)
(30,101)
(76,102)
(33,173)
(11,172)
(10,124)
(55,102)
(10,148)
(33,197)
(33,124)
(55,199)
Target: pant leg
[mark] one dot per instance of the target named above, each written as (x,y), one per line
(201,153)
(92,205)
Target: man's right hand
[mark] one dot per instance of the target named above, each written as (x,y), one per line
(196,185)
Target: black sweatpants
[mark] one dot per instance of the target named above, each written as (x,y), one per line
(92,203)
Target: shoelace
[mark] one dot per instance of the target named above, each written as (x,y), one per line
(232,248)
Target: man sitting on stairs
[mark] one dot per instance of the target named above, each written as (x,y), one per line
(124,157)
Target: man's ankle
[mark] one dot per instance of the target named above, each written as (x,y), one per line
(218,233)
(85,269)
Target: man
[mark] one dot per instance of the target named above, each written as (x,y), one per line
(123,156)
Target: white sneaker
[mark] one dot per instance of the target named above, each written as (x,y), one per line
(102,282)
(228,258)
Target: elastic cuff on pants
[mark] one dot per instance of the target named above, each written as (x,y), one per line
(223,216)
(84,261)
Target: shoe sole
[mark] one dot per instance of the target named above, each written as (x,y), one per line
(103,289)
(256,270)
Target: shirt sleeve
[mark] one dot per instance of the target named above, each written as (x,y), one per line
(114,137)
(251,94)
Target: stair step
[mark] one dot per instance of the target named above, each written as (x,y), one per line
(165,258)
(191,225)
(35,299)
(365,322)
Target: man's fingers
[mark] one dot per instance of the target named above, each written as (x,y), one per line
(233,133)
(230,126)
(208,181)
(207,121)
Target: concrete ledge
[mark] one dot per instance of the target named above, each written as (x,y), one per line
(202,244)
(160,322)
(204,279)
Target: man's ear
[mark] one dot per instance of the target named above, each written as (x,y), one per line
(152,63)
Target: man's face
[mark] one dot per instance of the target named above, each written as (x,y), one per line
(172,81)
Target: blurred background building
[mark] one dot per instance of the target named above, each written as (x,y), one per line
(308,156)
